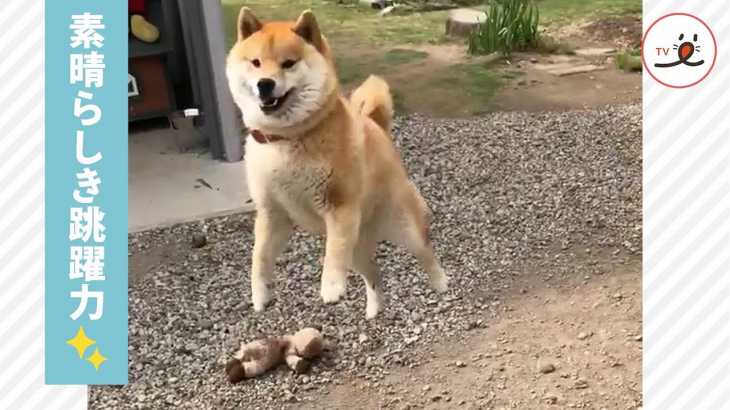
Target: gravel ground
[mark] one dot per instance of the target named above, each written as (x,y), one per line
(504,189)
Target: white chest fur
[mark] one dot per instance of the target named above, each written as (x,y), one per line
(277,178)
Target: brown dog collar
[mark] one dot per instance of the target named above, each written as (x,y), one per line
(262,138)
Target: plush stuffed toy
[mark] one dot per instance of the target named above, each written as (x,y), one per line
(255,358)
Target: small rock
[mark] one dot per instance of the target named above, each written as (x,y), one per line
(199,240)
(205,324)
(386,11)
(583,335)
(547,368)
(363,338)
(426,388)
(581,384)
(550,399)
(459,363)
(595,52)
(290,397)
(562,71)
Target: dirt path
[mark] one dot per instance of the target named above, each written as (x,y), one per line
(537,90)
(444,82)
(565,341)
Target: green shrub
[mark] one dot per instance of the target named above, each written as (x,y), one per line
(549,45)
(629,60)
(511,25)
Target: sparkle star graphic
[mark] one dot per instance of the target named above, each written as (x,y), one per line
(96,359)
(81,342)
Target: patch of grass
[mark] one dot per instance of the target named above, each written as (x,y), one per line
(347,23)
(450,90)
(512,74)
(511,25)
(399,104)
(350,23)
(629,60)
(352,69)
(403,56)
(549,45)
(456,90)
(469,84)
(554,11)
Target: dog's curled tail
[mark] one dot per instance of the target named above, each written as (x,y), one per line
(372,99)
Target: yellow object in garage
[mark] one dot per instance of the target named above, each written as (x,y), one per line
(143,29)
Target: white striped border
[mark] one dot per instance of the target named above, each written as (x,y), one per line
(686,147)
(21,215)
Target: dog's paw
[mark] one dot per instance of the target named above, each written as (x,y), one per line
(260,296)
(440,282)
(333,291)
(374,303)
(372,309)
(260,305)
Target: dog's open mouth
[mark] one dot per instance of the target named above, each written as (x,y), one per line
(271,105)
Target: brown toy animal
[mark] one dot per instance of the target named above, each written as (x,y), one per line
(255,358)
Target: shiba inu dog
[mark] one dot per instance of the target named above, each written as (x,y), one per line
(320,161)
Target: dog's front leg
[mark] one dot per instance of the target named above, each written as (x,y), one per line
(343,224)
(271,230)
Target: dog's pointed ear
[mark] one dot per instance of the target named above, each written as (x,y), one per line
(247,23)
(308,29)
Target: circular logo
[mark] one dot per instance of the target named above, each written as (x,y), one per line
(678,50)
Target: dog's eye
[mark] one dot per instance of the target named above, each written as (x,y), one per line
(288,64)
(256,63)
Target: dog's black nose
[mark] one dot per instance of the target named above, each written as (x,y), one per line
(266,87)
